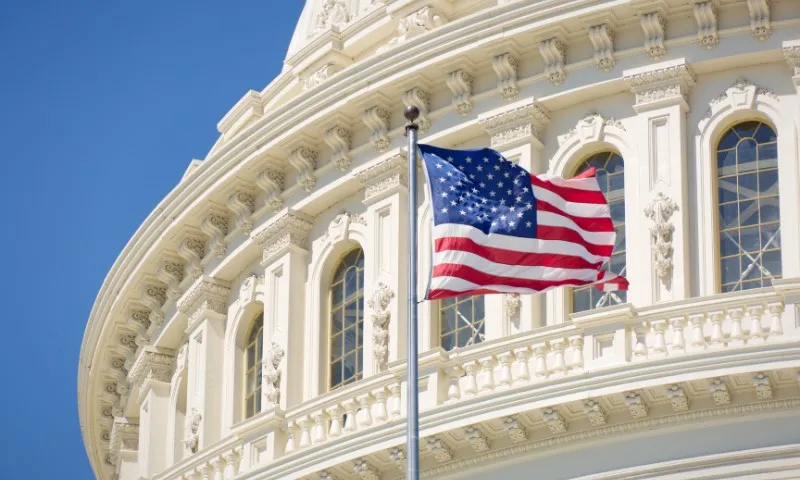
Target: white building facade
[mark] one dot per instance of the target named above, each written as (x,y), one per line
(254,326)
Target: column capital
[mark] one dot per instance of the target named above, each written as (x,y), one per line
(791,52)
(515,124)
(286,230)
(384,178)
(660,85)
(124,435)
(207,294)
(151,365)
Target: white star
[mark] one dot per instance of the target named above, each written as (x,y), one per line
(509,192)
(502,201)
(525,189)
(472,176)
(520,214)
(497,167)
(463,212)
(494,209)
(529,224)
(453,203)
(438,165)
(461,167)
(490,176)
(444,194)
(483,200)
(506,174)
(519,199)
(452,188)
(485,160)
(474,190)
(480,168)
(459,183)
(444,210)
(482,185)
(470,208)
(492,194)
(441,180)
(499,184)
(511,223)
(516,181)
(528,206)
(512,209)
(469,160)
(494,224)
(449,174)
(450,159)
(503,218)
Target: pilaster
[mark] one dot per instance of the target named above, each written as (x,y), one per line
(517,132)
(284,241)
(791,52)
(386,197)
(205,305)
(662,181)
(151,373)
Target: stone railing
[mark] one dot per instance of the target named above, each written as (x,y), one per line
(220,461)
(596,341)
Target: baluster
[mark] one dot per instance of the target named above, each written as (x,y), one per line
(698,339)
(540,360)
(206,471)
(305,431)
(523,374)
(454,390)
(471,389)
(318,435)
(559,364)
(350,421)
(487,374)
(379,407)
(219,468)
(335,414)
(395,401)
(505,369)
(756,333)
(291,445)
(775,325)
(717,340)
(231,464)
(364,415)
(737,334)
(678,342)
(576,345)
(638,341)
(659,342)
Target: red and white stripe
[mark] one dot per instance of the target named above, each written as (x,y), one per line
(574,238)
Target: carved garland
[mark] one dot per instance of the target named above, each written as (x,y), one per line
(379,303)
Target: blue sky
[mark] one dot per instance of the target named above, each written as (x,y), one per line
(102,106)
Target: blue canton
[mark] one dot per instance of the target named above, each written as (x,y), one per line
(480,188)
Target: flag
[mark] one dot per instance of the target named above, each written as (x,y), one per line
(499,229)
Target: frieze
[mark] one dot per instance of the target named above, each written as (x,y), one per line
(653,84)
(288,229)
(151,366)
(383,177)
(520,122)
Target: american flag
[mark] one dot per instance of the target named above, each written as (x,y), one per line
(499,229)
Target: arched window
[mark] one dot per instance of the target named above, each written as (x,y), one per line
(610,176)
(254,352)
(749,216)
(347,320)
(461,321)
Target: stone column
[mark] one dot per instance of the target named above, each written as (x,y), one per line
(791,52)
(206,305)
(124,446)
(152,371)
(660,230)
(284,257)
(516,131)
(386,197)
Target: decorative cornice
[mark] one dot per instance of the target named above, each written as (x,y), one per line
(124,436)
(602,38)
(505,67)
(215,225)
(193,249)
(665,82)
(321,75)
(460,84)
(205,295)
(289,229)
(554,54)
(759,18)
(151,365)
(376,118)
(243,204)
(590,128)
(383,178)
(420,98)
(791,52)
(741,94)
(271,180)
(339,140)
(415,24)
(654,26)
(519,122)
(303,157)
(705,13)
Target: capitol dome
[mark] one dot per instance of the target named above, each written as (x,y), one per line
(254,327)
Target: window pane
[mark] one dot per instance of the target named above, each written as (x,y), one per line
(730,269)
(748,186)
(746,129)
(728,244)
(336,346)
(449,341)
(750,239)
(729,140)
(748,212)
(746,156)
(448,320)
(337,319)
(768,182)
(336,373)
(765,134)
(347,328)
(726,162)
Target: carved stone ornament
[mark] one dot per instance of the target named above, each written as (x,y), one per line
(384,177)
(667,80)
(742,94)
(590,128)
(363,469)
(654,26)
(518,123)
(511,304)
(719,391)
(151,366)
(420,98)
(243,204)
(248,288)
(594,412)
(555,422)
(763,386)
(154,297)
(460,84)
(171,273)
(271,370)
(271,180)
(215,225)
(677,398)
(339,140)
(759,18)
(477,439)
(192,437)
(505,67)
(398,457)
(205,295)
(705,13)
(554,54)
(439,449)
(379,303)
(282,232)
(602,38)
(339,228)
(659,211)
(415,24)
(376,119)
(304,159)
(791,52)
(193,250)
(333,13)
(124,436)
(320,76)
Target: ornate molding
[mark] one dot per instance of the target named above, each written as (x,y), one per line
(271,180)
(521,122)
(380,179)
(205,295)
(333,14)
(243,204)
(151,365)
(215,225)
(376,119)
(440,450)
(379,303)
(420,98)
(505,67)
(719,391)
(554,420)
(271,371)
(365,470)
(659,211)
(320,76)
(154,297)
(193,250)
(398,457)
(511,304)
(477,439)
(762,385)
(281,233)
(554,54)
(415,24)
(171,272)
(677,398)
(515,430)
(791,52)
(741,94)
(656,84)
(594,412)
(653,26)
(339,140)
(304,159)
(759,18)
(192,435)
(124,436)
(602,38)
(460,84)
(590,128)
(705,13)
(636,405)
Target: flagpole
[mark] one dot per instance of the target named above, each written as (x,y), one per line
(412,427)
